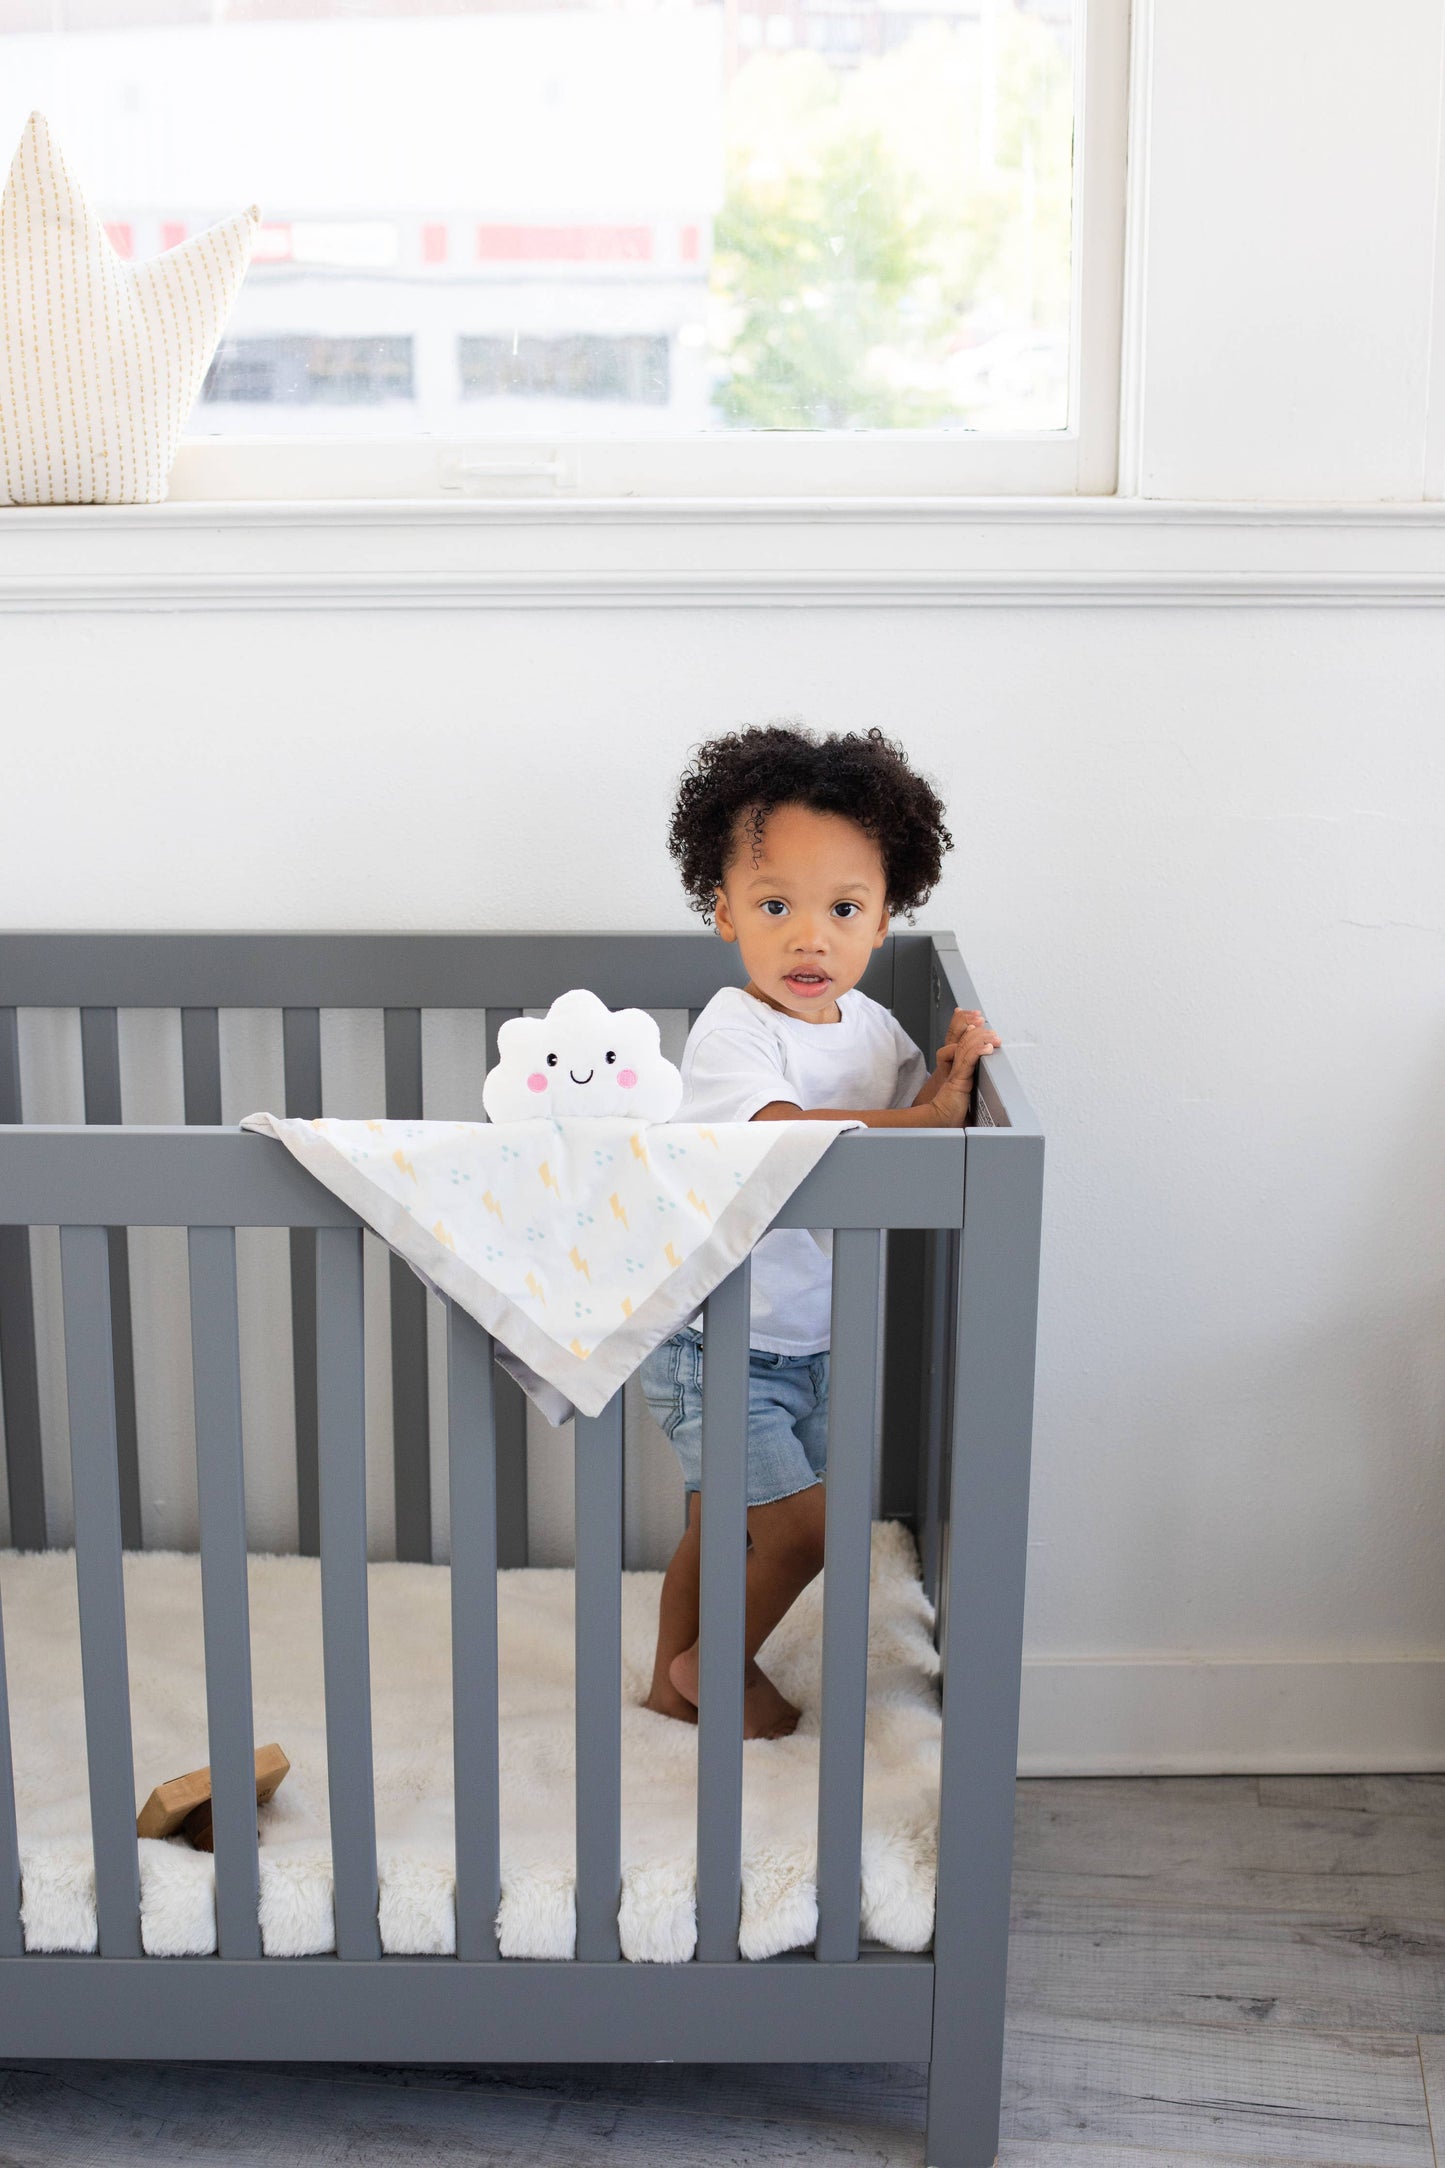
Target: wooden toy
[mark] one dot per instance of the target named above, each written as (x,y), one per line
(183,1805)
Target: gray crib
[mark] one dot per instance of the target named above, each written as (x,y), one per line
(942,1227)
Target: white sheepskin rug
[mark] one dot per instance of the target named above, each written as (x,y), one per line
(411,1702)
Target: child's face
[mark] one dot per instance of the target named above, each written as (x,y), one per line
(808,911)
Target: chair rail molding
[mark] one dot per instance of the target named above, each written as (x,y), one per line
(659,553)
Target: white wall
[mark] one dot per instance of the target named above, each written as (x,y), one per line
(1200,878)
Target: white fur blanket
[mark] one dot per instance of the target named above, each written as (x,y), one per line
(411,1701)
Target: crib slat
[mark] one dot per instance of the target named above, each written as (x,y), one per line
(100,1068)
(472,1462)
(341,1467)
(220,1483)
(410,1419)
(201,1065)
(599,1680)
(511,1405)
(12,1941)
(19,1368)
(301,1055)
(723,1605)
(852,1390)
(940,1277)
(90,1386)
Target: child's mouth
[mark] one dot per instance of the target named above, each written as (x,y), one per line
(807,982)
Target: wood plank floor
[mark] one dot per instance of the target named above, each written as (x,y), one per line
(1205,1973)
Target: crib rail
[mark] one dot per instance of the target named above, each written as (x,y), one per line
(297,975)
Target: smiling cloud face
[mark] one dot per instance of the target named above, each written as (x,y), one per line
(581,1058)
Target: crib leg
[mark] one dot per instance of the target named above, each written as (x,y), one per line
(981,1620)
(962,2133)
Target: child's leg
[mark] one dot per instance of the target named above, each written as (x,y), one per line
(677,1619)
(786,1551)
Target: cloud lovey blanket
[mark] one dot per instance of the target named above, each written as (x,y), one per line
(579,1243)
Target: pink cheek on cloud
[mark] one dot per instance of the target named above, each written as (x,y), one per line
(536,1082)
(627,1078)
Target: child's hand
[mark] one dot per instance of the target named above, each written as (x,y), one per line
(969,1039)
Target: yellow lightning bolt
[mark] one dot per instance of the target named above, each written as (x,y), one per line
(442,1235)
(672,1257)
(579,1351)
(400,1159)
(639,1149)
(698,1204)
(375,1128)
(492,1205)
(579,1264)
(627,1306)
(534,1287)
(548,1178)
(712,1140)
(618,1209)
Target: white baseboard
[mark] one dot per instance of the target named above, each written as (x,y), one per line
(1101,1716)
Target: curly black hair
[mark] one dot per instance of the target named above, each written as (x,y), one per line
(737,780)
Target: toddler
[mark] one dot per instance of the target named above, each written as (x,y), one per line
(799,849)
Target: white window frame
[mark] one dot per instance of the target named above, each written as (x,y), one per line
(1080,460)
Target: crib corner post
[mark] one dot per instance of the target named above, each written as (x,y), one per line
(985,1549)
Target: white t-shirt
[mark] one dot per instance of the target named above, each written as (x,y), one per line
(741,1055)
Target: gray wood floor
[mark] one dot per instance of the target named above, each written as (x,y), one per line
(1204,1970)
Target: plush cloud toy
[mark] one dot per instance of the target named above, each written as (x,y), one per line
(581,1058)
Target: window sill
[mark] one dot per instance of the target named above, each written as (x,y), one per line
(737,552)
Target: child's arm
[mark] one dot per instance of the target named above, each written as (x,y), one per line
(943,1102)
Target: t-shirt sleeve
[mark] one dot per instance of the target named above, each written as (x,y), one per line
(730,1070)
(913,1068)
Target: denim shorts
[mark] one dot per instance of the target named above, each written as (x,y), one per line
(787,1414)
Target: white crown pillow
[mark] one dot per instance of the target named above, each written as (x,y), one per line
(581,1058)
(105,359)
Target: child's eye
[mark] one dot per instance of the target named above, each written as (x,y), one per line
(848,910)
(775,907)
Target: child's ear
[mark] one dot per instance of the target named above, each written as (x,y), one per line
(723,918)
(882,934)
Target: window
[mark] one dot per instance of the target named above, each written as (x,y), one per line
(308,372)
(589,365)
(766,246)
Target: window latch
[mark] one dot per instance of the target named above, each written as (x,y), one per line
(488,470)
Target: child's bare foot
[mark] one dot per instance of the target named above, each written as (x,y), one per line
(767,1714)
(667,1701)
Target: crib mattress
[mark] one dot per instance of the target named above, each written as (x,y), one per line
(411,1711)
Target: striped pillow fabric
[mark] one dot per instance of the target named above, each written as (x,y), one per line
(100,360)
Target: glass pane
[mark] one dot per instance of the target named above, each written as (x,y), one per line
(626,219)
